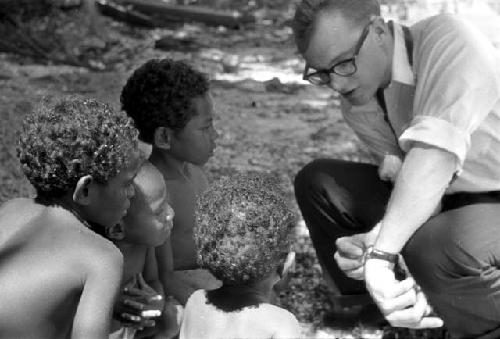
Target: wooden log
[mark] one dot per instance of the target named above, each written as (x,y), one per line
(124,13)
(165,13)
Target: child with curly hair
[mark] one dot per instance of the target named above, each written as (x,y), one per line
(58,278)
(171,106)
(243,236)
(147,224)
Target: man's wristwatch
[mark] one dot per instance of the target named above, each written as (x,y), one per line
(373,253)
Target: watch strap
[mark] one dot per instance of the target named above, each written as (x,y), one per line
(373,253)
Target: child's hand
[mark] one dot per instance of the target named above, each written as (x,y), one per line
(172,317)
(138,304)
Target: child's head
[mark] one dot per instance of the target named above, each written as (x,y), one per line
(149,218)
(81,150)
(244,228)
(171,106)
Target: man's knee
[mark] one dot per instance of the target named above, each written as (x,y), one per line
(307,175)
(445,249)
(425,256)
(312,178)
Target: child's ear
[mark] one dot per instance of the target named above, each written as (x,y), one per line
(81,192)
(288,265)
(163,137)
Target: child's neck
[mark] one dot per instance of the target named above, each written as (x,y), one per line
(230,298)
(66,202)
(170,166)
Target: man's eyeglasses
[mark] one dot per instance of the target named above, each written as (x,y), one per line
(343,68)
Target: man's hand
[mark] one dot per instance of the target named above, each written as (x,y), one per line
(388,170)
(350,252)
(138,304)
(402,302)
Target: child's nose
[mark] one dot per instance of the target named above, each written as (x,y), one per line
(215,134)
(130,191)
(170,214)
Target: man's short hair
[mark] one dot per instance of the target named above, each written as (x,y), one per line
(159,93)
(306,12)
(60,143)
(244,227)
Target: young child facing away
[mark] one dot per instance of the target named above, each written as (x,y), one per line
(171,106)
(243,236)
(147,224)
(58,278)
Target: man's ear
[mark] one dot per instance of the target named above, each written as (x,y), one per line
(163,137)
(82,189)
(381,28)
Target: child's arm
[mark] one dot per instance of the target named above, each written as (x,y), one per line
(150,272)
(172,285)
(169,322)
(101,286)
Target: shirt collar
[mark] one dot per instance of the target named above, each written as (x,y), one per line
(401,69)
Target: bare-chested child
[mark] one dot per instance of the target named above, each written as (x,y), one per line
(171,106)
(147,224)
(58,278)
(243,236)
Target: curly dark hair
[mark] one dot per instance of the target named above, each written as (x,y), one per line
(244,227)
(159,93)
(61,142)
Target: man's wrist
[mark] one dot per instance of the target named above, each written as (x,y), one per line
(373,253)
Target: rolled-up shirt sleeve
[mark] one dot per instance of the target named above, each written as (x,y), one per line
(457,88)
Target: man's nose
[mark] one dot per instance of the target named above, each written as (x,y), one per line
(215,134)
(337,83)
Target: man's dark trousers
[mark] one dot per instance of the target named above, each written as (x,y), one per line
(454,256)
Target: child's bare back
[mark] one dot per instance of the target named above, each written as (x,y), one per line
(47,256)
(263,321)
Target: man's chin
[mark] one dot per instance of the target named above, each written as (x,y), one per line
(356,99)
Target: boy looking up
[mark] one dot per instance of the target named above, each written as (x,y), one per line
(171,106)
(58,277)
(243,237)
(147,224)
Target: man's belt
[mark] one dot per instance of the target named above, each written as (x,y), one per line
(460,199)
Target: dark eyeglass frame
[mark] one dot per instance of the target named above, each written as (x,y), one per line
(323,77)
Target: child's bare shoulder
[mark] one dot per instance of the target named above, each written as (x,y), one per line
(18,207)
(86,247)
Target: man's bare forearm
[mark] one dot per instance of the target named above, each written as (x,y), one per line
(419,187)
